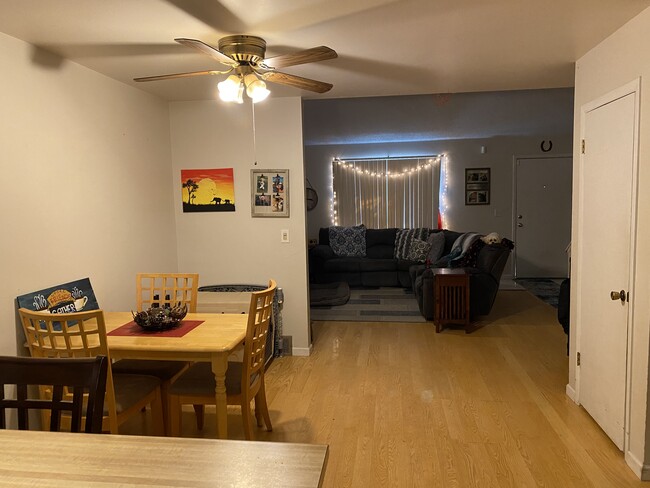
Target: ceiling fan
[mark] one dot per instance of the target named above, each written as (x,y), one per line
(243,55)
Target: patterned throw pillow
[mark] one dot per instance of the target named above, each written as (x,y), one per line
(348,241)
(404,239)
(437,241)
(418,251)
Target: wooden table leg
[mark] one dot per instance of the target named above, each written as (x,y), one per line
(219,367)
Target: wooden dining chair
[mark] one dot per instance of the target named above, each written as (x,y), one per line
(244,381)
(162,290)
(70,384)
(83,334)
(166,289)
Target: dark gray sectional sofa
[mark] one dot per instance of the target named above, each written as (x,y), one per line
(379,267)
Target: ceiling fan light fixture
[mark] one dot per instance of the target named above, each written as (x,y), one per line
(255,88)
(231,89)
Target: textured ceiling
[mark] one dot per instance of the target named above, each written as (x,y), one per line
(385,47)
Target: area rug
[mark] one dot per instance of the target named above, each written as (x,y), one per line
(373,305)
(543,288)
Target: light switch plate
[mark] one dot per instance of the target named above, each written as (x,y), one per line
(284,235)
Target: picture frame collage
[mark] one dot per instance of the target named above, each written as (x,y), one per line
(477,186)
(270,192)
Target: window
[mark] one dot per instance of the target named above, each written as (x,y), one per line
(389,192)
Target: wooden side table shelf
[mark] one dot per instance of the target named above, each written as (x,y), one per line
(451,297)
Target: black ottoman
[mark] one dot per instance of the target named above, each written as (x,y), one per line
(329,294)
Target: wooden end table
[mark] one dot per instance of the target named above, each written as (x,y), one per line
(451,298)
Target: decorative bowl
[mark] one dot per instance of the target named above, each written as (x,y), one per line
(157,318)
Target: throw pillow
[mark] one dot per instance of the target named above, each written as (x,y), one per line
(437,241)
(405,237)
(418,251)
(348,241)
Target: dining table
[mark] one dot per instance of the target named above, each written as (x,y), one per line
(212,337)
(54,459)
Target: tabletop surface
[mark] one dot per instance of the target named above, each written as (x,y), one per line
(218,332)
(47,459)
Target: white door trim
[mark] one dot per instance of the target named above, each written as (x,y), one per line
(630,88)
(513,232)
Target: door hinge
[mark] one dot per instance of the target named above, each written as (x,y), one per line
(578,359)
(583,146)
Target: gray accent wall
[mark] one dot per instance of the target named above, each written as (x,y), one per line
(507,124)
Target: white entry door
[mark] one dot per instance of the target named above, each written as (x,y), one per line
(542,229)
(605,229)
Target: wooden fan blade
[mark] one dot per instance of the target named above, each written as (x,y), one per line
(320,53)
(297,81)
(177,75)
(209,50)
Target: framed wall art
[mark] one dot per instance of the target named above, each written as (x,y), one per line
(477,186)
(65,298)
(270,192)
(208,190)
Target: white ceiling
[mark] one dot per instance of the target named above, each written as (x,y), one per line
(385,47)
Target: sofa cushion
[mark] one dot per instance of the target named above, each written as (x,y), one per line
(405,237)
(405,264)
(450,239)
(348,241)
(437,242)
(380,251)
(418,251)
(342,265)
(383,237)
(366,265)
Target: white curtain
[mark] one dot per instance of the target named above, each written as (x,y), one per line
(384,193)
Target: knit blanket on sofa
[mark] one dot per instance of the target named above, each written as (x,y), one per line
(463,253)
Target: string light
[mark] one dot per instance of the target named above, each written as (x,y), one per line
(333,210)
(406,171)
(419,166)
(443,195)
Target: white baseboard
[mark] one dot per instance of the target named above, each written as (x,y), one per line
(301,351)
(571,393)
(639,469)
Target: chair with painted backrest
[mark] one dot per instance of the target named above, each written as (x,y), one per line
(83,334)
(161,290)
(69,390)
(244,381)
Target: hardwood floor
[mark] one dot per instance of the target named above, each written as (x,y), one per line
(402,406)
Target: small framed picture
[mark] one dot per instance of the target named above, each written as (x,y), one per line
(477,186)
(270,192)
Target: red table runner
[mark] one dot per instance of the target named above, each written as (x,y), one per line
(133,329)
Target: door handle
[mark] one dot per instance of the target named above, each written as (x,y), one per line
(520,224)
(619,295)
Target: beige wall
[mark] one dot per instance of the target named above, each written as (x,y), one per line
(233,247)
(621,58)
(85,186)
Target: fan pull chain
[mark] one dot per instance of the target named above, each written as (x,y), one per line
(254,137)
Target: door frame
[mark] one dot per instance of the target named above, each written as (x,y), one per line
(515,158)
(631,88)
